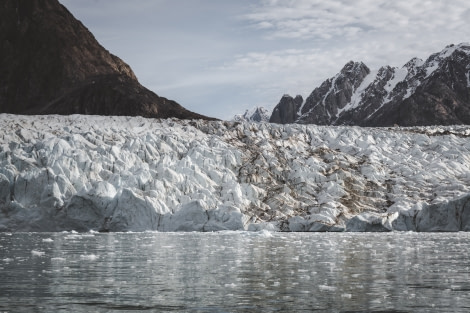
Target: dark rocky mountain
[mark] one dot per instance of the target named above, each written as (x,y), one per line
(51,64)
(287,110)
(258,114)
(431,92)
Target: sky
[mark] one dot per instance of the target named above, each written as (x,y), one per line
(222,57)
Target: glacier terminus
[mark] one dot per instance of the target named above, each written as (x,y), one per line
(63,173)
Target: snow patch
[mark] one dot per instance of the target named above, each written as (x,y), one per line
(299,113)
(447,52)
(356,97)
(332,88)
(399,75)
(431,68)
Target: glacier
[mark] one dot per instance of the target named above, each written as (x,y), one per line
(82,173)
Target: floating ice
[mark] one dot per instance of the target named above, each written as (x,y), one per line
(37,253)
(89,257)
(326,288)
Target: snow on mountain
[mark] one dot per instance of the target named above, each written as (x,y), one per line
(431,92)
(327,102)
(133,174)
(258,114)
(358,94)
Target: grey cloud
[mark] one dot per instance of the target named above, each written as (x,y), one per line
(336,18)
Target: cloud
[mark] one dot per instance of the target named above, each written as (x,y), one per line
(327,34)
(315,19)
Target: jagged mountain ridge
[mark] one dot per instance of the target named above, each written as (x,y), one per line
(258,114)
(50,63)
(431,92)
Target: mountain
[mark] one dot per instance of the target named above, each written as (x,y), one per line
(51,64)
(115,173)
(287,110)
(431,92)
(258,114)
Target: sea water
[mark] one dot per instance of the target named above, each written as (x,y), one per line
(234,272)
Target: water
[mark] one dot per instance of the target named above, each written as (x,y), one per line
(234,272)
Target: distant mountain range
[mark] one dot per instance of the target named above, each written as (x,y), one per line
(258,114)
(51,64)
(431,92)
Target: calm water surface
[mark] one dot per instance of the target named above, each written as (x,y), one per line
(234,272)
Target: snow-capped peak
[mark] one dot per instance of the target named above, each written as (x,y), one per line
(450,49)
(413,65)
(358,96)
(434,61)
(257,114)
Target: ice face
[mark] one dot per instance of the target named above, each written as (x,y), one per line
(135,174)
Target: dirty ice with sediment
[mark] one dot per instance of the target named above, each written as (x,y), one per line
(135,174)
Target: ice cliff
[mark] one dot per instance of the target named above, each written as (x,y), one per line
(134,174)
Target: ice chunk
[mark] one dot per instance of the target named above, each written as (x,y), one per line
(89,257)
(37,253)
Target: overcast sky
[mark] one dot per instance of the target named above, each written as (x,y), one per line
(221,57)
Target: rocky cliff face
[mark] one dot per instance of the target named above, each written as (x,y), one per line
(431,92)
(51,64)
(287,110)
(327,101)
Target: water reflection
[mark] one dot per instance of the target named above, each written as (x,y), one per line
(235,272)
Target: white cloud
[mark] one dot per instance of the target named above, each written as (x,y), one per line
(344,18)
(330,33)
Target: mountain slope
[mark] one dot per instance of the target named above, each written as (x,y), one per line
(431,92)
(50,63)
